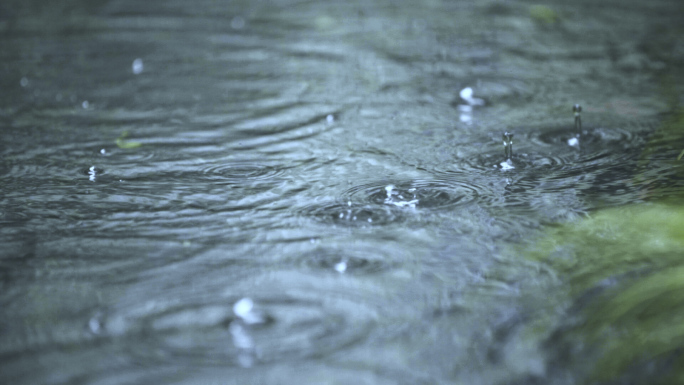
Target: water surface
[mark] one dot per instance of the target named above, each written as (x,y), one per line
(280,192)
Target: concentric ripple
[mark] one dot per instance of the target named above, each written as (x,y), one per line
(433,194)
(240,171)
(592,137)
(384,202)
(519,161)
(229,172)
(283,321)
(348,260)
(556,150)
(347,214)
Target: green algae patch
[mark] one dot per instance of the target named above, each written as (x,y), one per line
(121,142)
(624,272)
(543,14)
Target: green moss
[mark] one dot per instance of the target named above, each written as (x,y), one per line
(614,241)
(543,14)
(624,268)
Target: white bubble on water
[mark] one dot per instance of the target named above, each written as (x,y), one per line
(137,66)
(243,307)
(341,267)
(244,310)
(466,93)
(330,119)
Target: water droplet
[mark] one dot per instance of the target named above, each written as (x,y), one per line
(103,151)
(577,109)
(508,145)
(341,267)
(24,82)
(330,119)
(244,310)
(137,66)
(243,307)
(85,104)
(466,93)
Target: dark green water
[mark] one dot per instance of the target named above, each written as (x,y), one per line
(293,192)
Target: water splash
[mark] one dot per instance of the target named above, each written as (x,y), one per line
(507,164)
(397,199)
(575,141)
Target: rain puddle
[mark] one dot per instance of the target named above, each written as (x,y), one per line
(356,192)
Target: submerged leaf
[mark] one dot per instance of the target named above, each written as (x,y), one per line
(122,143)
(126,145)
